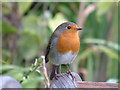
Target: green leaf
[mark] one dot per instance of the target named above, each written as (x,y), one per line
(56,21)
(32,82)
(29,45)
(82,55)
(85,54)
(40,60)
(90,66)
(17,74)
(8,67)
(30,22)
(65,9)
(8,28)
(103,7)
(109,52)
(113,68)
(0,27)
(110,44)
(23,6)
(14,71)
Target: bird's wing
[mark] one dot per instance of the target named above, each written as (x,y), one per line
(49,46)
(47,51)
(53,36)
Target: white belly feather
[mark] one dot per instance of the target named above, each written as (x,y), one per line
(58,58)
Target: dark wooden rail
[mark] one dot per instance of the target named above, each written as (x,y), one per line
(66,81)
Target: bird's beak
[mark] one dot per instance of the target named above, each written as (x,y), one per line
(79,28)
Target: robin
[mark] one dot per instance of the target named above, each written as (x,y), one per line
(63,46)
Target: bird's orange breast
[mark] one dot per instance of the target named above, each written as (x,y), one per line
(68,41)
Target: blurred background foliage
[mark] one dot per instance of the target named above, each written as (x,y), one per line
(27,26)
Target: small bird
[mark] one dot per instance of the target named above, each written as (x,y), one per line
(63,46)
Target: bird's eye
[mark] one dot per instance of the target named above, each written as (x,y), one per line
(68,27)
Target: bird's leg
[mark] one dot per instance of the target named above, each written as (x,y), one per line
(56,76)
(55,72)
(58,69)
(69,72)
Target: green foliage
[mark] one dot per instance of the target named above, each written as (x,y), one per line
(57,20)
(33,82)
(112,54)
(28,45)
(103,7)
(30,22)
(23,6)
(102,42)
(8,28)
(14,71)
(25,75)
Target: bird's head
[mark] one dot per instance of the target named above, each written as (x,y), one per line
(68,27)
(73,27)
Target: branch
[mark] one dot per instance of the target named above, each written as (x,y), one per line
(34,68)
(45,72)
(83,13)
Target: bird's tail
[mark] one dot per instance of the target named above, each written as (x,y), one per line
(55,70)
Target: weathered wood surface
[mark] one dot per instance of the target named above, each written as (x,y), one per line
(65,80)
(96,85)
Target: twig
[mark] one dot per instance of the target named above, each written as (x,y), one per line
(40,62)
(84,12)
(34,67)
(45,72)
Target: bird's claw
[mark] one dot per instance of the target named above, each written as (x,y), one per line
(69,73)
(56,76)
